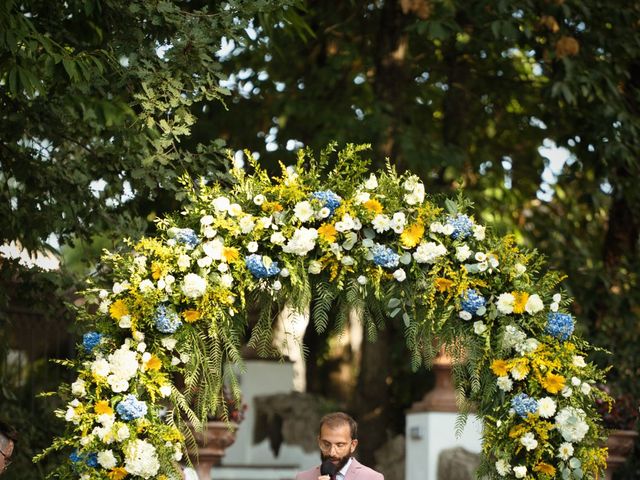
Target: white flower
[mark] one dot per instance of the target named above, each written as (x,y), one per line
(100,367)
(302,242)
(303,211)
(429,252)
(185,357)
(578,361)
(146,285)
(120,287)
(546,407)
(436,227)
(462,253)
(480,256)
(534,304)
(565,451)
(381,223)
(528,440)
(513,336)
(223,267)
(448,229)
(554,307)
(234,210)
(184,262)
(284,273)
(204,262)
(124,363)
(520,471)
(226,280)
(104,306)
(571,422)
(169,343)
(519,269)
(324,212)
(362,280)
(206,220)
(106,459)
(193,285)
(71,415)
(345,224)
(479,327)
(209,232)
(266,221)
(464,315)
(503,468)
(315,267)
(575,381)
(530,345)
(141,348)
(252,247)
(221,204)
(125,321)
(411,183)
(416,196)
(505,303)
(347,260)
(351,239)
(557,297)
(585,388)
(214,249)
(400,275)
(518,373)
(566,392)
(78,388)
(277,238)
(493,260)
(478,232)
(398,222)
(504,383)
(141,459)
(371,182)
(259,199)
(122,432)
(246,224)
(277,285)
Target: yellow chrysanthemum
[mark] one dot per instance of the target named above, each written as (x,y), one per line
(154,363)
(520,301)
(412,235)
(117,473)
(499,367)
(327,232)
(156,270)
(545,468)
(230,254)
(118,309)
(373,205)
(443,284)
(553,383)
(102,407)
(520,369)
(191,316)
(270,207)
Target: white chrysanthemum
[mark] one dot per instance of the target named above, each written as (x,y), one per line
(520,471)
(429,252)
(534,304)
(399,275)
(462,253)
(221,204)
(100,367)
(277,238)
(503,468)
(78,388)
(565,451)
(184,262)
(479,327)
(371,182)
(302,242)
(478,232)
(505,303)
(546,407)
(381,223)
(504,383)
(315,267)
(528,441)
(194,285)
(124,363)
(303,211)
(578,361)
(141,459)
(247,224)
(571,422)
(214,249)
(107,459)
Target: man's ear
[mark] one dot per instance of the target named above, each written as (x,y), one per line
(354,444)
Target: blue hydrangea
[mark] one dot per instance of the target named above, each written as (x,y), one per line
(257,268)
(560,325)
(523,404)
(186,236)
(329,199)
(167,320)
(91,340)
(472,301)
(131,408)
(384,256)
(462,226)
(92,460)
(75,457)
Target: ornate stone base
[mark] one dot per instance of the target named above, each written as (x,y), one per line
(212,444)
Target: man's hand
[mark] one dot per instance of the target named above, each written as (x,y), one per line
(324,477)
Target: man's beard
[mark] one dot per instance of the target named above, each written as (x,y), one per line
(341,461)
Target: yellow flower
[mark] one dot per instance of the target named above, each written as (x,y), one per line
(270,207)
(327,232)
(230,254)
(553,383)
(412,235)
(102,407)
(520,369)
(156,270)
(520,301)
(191,316)
(117,473)
(373,205)
(499,367)
(154,363)
(118,309)
(545,468)
(443,284)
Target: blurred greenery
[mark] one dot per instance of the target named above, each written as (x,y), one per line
(96,127)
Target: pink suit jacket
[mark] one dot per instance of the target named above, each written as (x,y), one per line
(356,471)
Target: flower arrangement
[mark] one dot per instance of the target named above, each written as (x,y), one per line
(173,305)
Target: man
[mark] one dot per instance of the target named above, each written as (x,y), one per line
(338,439)
(7,439)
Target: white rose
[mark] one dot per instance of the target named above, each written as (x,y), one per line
(315,267)
(371,182)
(204,262)
(534,304)
(478,232)
(399,275)
(193,285)
(554,307)
(303,211)
(206,220)
(125,321)
(520,471)
(575,381)
(78,388)
(557,297)
(221,204)
(585,388)
(578,361)
(252,247)
(362,280)
(505,303)
(479,327)
(184,261)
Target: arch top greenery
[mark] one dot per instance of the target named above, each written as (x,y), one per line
(173,306)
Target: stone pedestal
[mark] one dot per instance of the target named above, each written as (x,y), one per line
(620,444)
(212,444)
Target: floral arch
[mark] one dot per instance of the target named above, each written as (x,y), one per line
(174,304)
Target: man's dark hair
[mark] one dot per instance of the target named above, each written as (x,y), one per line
(337,419)
(8,431)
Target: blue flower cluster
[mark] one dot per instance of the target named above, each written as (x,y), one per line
(258,269)
(186,236)
(523,404)
(472,301)
(384,256)
(329,199)
(91,459)
(560,325)
(91,340)
(131,408)
(167,320)
(462,226)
